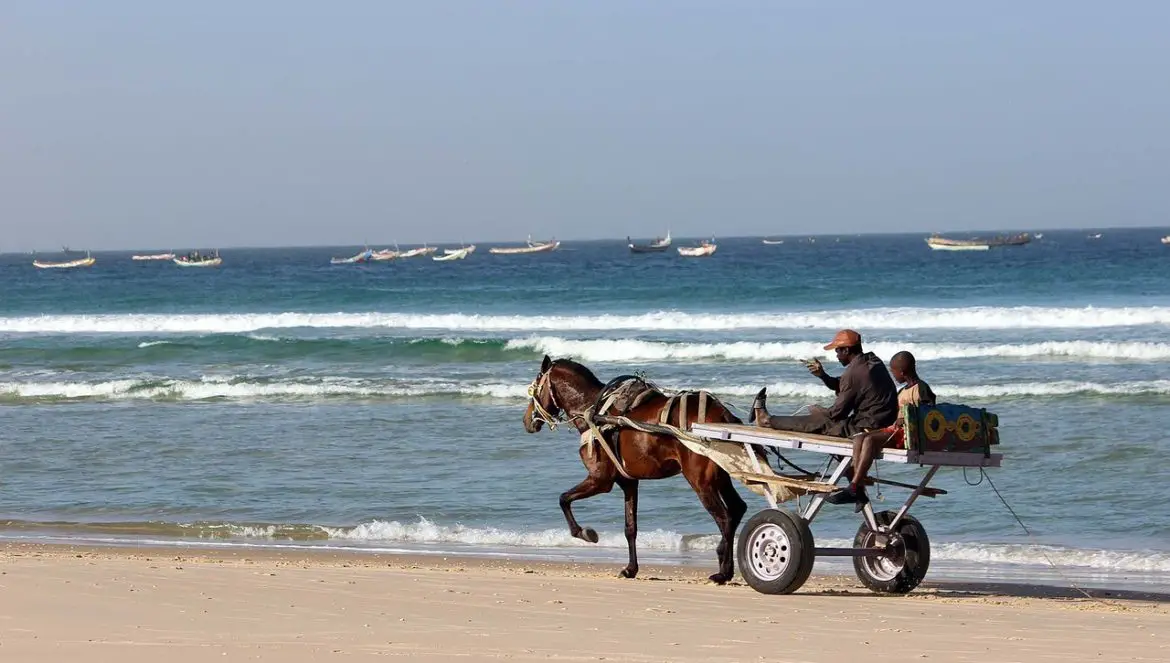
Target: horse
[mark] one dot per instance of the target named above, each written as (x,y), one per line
(564,390)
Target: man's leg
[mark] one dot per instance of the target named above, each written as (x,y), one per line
(804,423)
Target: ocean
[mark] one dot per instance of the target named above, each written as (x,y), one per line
(282,401)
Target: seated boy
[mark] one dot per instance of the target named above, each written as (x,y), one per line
(865,446)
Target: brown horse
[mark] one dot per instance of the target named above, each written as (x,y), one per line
(564,389)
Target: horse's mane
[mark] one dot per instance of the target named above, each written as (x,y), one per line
(581,370)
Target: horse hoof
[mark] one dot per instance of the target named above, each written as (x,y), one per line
(629,573)
(588,534)
(720,578)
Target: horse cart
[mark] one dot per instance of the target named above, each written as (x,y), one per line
(645,433)
(891,551)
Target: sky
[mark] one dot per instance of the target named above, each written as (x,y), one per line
(145,124)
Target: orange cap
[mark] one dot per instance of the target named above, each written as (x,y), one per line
(846,338)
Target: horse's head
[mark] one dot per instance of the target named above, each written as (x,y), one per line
(542,401)
(561,390)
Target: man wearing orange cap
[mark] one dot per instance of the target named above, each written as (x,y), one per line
(866,396)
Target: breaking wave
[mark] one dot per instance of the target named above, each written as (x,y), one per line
(978,317)
(424,532)
(246,388)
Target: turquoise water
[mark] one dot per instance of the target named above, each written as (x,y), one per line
(280,400)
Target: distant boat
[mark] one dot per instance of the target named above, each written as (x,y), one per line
(87,261)
(1166,239)
(704,248)
(532,247)
(658,245)
(364,256)
(423,250)
(773,241)
(384,254)
(154,256)
(199,260)
(1095,236)
(454,254)
(1039,235)
(940,243)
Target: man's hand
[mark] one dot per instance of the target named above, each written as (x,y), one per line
(814,367)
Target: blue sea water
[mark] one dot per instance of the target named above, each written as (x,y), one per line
(281,400)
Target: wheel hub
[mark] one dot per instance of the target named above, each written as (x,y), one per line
(889,564)
(769,551)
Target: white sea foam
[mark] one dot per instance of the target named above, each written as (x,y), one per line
(244,388)
(424,531)
(633,350)
(977,317)
(233,389)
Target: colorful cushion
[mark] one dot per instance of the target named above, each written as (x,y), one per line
(949,427)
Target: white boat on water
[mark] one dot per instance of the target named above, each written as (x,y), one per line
(469,250)
(199,260)
(423,250)
(384,254)
(87,261)
(773,241)
(704,249)
(454,254)
(942,244)
(154,256)
(532,247)
(364,256)
(1166,239)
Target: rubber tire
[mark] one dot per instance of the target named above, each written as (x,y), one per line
(917,555)
(802,552)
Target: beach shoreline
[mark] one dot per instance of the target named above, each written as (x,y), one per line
(132,603)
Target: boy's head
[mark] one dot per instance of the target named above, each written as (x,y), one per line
(903,368)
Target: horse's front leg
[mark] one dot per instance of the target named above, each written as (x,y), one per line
(592,485)
(630,489)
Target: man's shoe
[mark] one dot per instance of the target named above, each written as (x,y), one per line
(760,409)
(846,495)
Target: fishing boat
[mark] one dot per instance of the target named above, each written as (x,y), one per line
(772,241)
(364,256)
(454,254)
(469,250)
(705,248)
(658,245)
(939,243)
(1166,239)
(423,250)
(1095,236)
(532,247)
(87,261)
(154,256)
(196,259)
(944,244)
(384,254)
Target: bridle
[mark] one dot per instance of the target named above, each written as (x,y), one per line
(541,383)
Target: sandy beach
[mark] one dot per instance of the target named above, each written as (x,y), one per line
(71,603)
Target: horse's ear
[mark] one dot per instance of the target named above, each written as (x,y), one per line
(546,364)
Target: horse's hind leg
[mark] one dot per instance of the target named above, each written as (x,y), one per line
(706,486)
(630,489)
(592,485)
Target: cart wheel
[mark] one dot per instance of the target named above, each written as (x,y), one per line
(904,565)
(775,552)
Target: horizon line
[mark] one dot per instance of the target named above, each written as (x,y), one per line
(603,239)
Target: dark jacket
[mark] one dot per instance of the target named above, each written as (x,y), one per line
(866,397)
